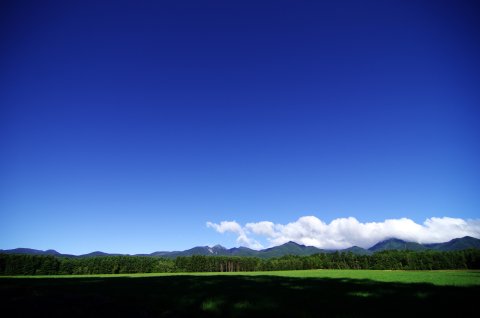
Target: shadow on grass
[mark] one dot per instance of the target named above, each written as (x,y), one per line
(237,296)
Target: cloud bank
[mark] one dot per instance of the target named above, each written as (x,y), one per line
(346,232)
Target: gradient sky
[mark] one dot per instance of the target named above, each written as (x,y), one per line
(126,125)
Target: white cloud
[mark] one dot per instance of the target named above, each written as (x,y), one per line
(242,237)
(226,226)
(347,232)
(261,228)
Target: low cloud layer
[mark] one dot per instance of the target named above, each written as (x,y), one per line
(346,232)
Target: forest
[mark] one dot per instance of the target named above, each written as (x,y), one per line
(15,264)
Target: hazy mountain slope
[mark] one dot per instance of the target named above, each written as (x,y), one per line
(290,248)
(396,244)
(357,250)
(462,243)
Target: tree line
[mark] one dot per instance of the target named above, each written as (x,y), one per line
(14,264)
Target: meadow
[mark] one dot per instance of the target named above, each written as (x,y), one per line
(311,293)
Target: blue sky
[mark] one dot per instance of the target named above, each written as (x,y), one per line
(126,126)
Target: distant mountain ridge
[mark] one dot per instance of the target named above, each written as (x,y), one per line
(289,248)
(397,244)
(31,251)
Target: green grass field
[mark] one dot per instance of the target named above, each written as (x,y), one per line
(451,278)
(314,293)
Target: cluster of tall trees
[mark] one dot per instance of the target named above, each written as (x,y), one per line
(198,263)
(12,264)
(394,260)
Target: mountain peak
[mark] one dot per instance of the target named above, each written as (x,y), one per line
(393,239)
(456,244)
(52,252)
(396,244)
(465,238)
(292,243)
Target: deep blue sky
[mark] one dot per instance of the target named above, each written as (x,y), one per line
(125,126)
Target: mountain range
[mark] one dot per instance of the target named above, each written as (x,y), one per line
(290,248)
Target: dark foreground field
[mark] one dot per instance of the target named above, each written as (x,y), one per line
(229,295)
